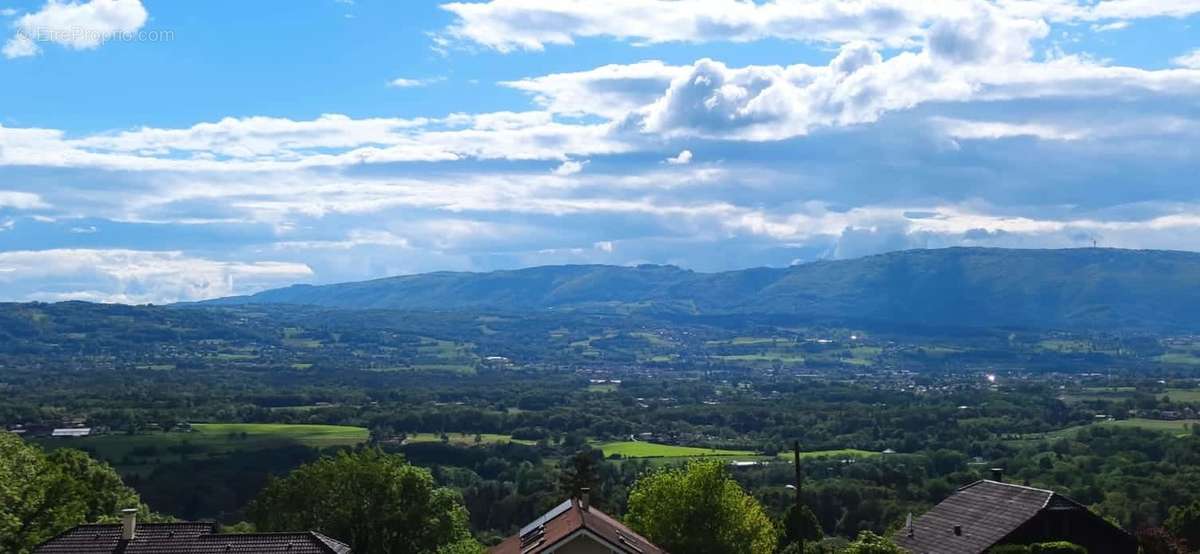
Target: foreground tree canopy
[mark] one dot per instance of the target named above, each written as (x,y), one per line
(43,494)
(870,543)
(376,502)
(700,509)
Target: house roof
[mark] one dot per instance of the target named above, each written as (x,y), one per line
(987,512)
(569,520)
(185,538)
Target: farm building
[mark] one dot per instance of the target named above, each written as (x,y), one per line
(990,513)
(128,537)
(575,527)
(71,432)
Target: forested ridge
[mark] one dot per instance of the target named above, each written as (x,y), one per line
(1077,288)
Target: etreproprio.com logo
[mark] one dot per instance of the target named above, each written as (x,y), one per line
(83,36)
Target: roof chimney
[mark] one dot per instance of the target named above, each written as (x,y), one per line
(585,498)
(998,474)
(128,523)
(958,530)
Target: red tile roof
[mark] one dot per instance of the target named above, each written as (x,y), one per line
(568,520)
(186,538)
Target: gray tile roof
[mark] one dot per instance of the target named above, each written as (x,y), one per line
(986,511)
(186,538)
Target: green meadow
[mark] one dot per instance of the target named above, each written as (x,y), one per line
(144,450)
(467,439)
(841,453)
(1177,427)
(638,449)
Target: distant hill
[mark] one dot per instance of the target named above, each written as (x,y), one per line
(1090,287)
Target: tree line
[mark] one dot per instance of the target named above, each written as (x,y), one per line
(381,503)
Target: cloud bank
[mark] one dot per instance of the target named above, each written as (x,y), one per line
(922,124)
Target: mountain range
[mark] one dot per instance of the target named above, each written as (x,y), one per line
(1069,288)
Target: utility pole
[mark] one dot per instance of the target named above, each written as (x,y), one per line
(799,484)
(796,451)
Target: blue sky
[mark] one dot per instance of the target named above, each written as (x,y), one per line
(155,151)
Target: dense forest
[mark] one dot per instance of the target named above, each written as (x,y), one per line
(198,408)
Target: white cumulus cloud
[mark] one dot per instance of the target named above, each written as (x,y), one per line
(75,25)
(1190,60)
(402,82)
(610,90)
(21,200)
(135,276)
(569,167)
(683,158)
(508,25)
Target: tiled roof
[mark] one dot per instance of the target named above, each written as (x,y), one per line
(186,538)
(986,512)
(566,521)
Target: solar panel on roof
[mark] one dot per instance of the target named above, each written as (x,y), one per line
(553,513)
(533,535)
(527,549)
(629,541)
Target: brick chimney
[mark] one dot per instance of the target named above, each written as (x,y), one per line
(128,524)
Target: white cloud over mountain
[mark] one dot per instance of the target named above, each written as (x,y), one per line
(920,124)
(139,277)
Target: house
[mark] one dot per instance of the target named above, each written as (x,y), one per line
(71,432)
(990,513)
(128,537)
(575,527)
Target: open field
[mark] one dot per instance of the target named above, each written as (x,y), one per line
(463,439)
(1183,395)
(1117,393)
(1179,358)
(638,449)
(840,453)
(209,439)
(1098,393)
(772,356)
(432,367)
(308,435)
(1181,426)
(1177,427)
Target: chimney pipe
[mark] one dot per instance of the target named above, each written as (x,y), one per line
(958,530)
(998,474)
(585,498)
(128,523)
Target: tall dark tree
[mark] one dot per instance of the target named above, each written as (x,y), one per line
(581,473)
(800,524)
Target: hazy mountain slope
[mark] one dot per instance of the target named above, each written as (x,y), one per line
(957,286)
